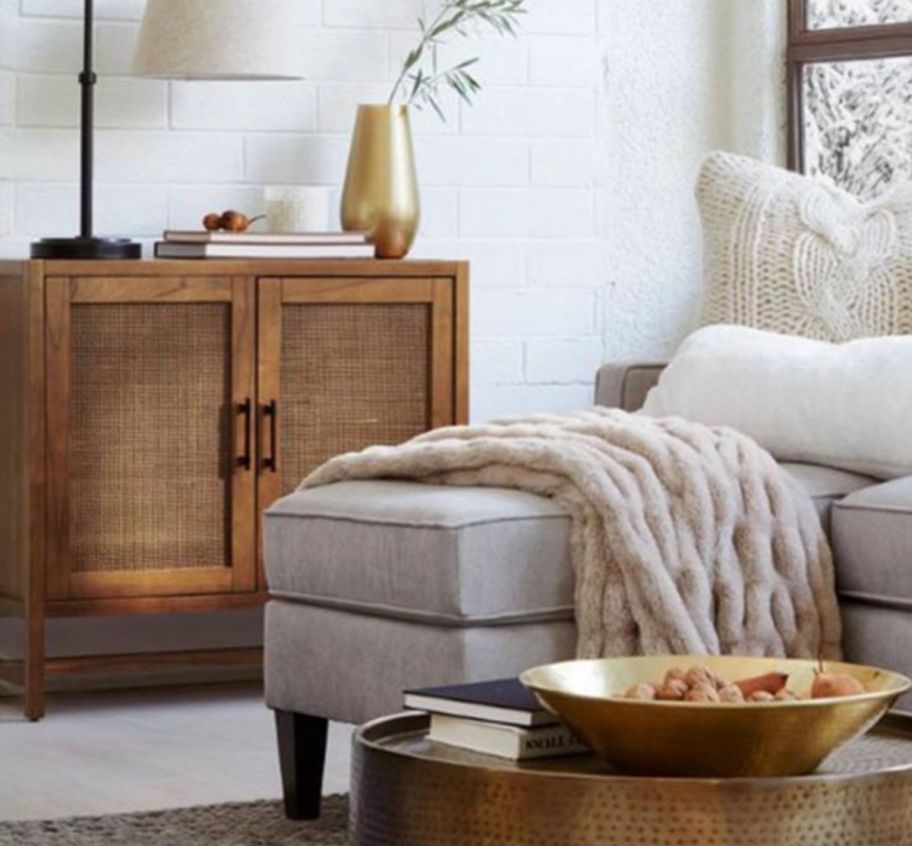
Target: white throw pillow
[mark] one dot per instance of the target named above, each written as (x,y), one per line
(793,254)
(843,405)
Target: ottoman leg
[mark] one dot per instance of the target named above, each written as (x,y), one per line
(302,754)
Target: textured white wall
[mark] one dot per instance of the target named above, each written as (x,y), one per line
(679,78)
(8,20)
(569,185)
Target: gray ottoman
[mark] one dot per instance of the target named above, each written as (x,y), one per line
(381,586)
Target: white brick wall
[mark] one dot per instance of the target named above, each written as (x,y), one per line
(531,185)
(6,209)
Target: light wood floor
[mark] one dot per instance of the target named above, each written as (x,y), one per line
(119,751)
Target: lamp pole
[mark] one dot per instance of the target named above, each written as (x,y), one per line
(86,245)
(87,80)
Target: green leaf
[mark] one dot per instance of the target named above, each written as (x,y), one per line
(436,107)
(419,79)
(455,18)
(412,58)
(457,85)
(473,84)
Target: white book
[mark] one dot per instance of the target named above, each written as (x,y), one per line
(196,236)
(505,741)
(168,249)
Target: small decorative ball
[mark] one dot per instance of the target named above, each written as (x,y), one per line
(235,221)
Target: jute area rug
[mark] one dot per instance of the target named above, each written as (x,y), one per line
(239,824)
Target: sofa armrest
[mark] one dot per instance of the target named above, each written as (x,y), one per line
(626,385)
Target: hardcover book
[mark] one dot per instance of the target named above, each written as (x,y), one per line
(505,741)
(197,236)
(500,701)
(177,250)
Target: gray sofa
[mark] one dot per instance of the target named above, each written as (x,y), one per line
(383,585)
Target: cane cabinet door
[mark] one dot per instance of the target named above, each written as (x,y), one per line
(347,363)
(150,405)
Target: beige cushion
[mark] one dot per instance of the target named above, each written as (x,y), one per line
(791,254)
(424,552)
(878,636)
(871,533)
(842,405)
(827,485)
(448,555)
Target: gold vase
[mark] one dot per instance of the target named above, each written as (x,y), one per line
(381,186)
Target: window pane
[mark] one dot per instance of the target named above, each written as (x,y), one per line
(828,14)
(857,123)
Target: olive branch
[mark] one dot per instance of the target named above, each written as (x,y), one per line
(421,77)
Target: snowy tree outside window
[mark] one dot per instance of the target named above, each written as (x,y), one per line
(829,14)
(854,124)
(858,123)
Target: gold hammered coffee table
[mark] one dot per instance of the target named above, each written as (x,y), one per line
(408,791)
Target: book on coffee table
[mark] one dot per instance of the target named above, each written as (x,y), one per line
(505,741)
(498,718)
(500,701)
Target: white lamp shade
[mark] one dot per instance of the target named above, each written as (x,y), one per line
(220,39)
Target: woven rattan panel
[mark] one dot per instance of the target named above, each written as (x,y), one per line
(352,376)
(149,438)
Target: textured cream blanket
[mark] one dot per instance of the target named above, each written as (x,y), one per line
(685,538)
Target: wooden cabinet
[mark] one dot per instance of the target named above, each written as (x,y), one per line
(151,410)
(345,362)
(150,389)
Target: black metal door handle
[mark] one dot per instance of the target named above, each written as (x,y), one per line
(270,460)
(245,409)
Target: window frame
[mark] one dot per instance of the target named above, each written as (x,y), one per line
(839,44)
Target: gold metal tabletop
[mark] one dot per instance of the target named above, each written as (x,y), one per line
(409,791)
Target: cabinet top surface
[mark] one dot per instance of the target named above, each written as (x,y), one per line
(240,267)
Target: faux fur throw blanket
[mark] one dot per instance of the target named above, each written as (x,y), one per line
(686,539)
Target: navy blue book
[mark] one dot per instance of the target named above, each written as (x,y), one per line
(500,701)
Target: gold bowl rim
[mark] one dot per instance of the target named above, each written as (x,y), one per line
(899,684)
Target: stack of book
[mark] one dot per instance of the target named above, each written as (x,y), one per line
(263,245)
(498,718)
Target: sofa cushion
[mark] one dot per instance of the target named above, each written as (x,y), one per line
(425,552)
(804,400)
(881,637)
(454,556)
(793,254)
(827,485)
(871,530)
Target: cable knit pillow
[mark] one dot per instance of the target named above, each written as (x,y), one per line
(841,405)
(792,254)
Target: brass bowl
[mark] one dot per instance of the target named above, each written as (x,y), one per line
(709,739)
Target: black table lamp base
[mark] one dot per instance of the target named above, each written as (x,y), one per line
(86,245)
(86,248)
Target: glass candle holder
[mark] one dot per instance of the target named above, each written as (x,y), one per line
(296,208)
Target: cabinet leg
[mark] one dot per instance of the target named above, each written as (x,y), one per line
(302,755)
(34,670)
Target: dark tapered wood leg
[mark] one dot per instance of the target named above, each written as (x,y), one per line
(302,755)
(33,670)
(34,691)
